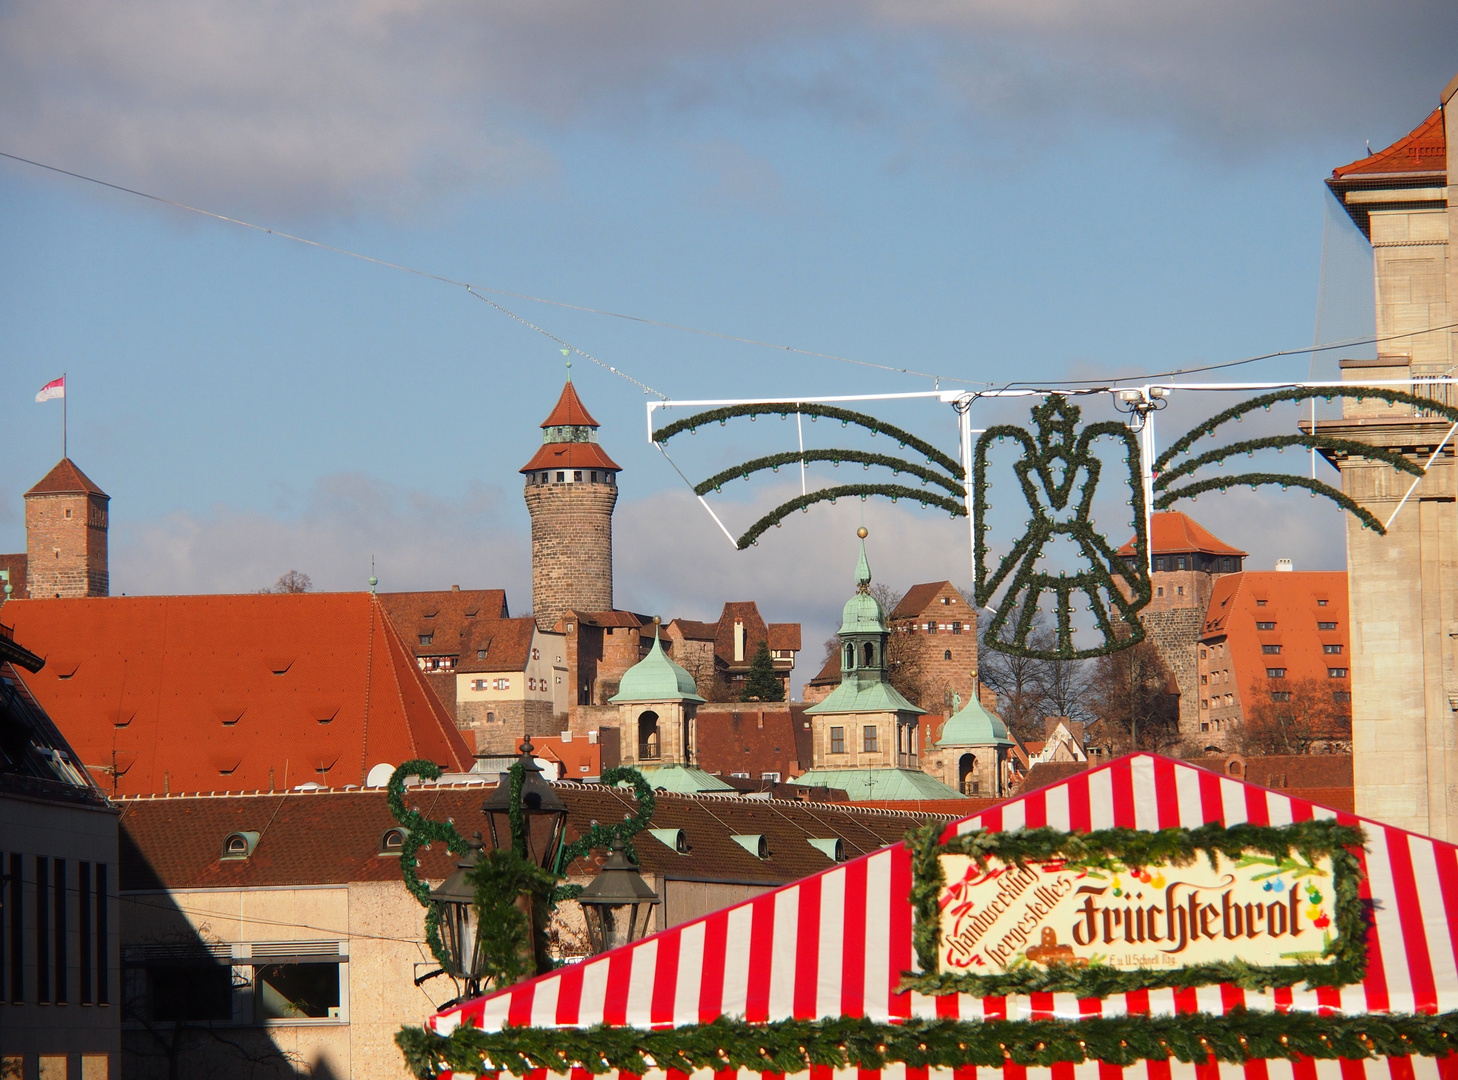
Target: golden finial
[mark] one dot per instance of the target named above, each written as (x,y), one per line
(863,532)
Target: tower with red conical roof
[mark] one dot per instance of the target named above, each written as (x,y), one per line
(65,535)
(571,488)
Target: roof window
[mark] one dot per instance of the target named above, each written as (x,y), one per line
(672,839)
(392,841)
(754,843)
(832,847)
(239,845)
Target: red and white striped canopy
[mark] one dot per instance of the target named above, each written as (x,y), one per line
(836,943)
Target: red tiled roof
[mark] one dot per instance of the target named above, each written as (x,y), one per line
(569,410)
(747,739)
(830,673)
(612,618)
(1174,532)
(506,642)
(572,455)
(784,635)
(446,616)
(66,479)
(917,599)
(333,837)
(196,693)
(1422,150)
(578,757)
(692,630)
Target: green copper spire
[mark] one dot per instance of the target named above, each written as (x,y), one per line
(863,613)
(656,678)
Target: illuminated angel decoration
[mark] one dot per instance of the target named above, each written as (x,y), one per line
(1058,474)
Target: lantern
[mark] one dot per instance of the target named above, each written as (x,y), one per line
(544,815)
(455,904)
(618,903)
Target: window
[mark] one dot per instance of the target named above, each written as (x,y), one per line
(577,476)
(561,476)
(68,512)
(1275,673)
(536,654)
(501,684)
(196,991)
(1280,695)
(1271,650)
(837,740)
(544,478)
(594,477)
(1336,673)
(480,654)
(478,684)
(1326,626)
(946,599)
(869,744)
(1265,626)
(1344,696)
(947,654)
(773,777)
(1321,603)
(956,628)
(1204,727)
(296,991)
(869,651)
(426,639)
(392,841)
(1159,591)
(1204,703)
(1260,603)
(1202,654)
(1332,650)
(1179,590)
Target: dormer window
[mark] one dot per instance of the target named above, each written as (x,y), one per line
(426,639)
(392,841)
(239,845)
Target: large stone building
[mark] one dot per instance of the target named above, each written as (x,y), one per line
(65,539)
(934,634)
(571,489)
(1187,560)
(1404,585)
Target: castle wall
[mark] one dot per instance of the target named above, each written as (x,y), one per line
(1175,633)
(66,548)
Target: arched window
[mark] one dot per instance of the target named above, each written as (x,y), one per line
(947,655)
(967,782)
(850,657)
(649,748)
(870,654)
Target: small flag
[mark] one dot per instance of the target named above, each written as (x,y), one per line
(56,388)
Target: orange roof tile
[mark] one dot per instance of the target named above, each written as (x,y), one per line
(572,455)
(196,693)
(1174,532)
(784,635)
(569,411)
(1422,150)
(507,644)
(446,616)
(66,479)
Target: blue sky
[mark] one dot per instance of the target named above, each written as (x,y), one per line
(984,191)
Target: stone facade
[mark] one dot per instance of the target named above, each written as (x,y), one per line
(936,637)
(1175,632)
(500,726)
(65,538)
(572,548)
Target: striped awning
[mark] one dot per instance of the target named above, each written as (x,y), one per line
(836,944)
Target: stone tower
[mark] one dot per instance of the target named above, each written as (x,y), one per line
(1403,587)
(571,488)
(65,535)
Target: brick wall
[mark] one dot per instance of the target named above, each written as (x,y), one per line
(940,675)
(500,726)
(572,548)
(66,545)
(1176,635)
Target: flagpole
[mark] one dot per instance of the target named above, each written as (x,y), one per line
(63,414)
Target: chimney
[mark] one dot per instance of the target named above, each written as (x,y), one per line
(1284,565)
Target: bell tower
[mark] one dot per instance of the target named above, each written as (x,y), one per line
(571,489)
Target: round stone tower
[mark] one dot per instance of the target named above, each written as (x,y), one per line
(571,488)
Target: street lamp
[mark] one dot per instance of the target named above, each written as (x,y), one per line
(617,903)
(543,813)
(455,905)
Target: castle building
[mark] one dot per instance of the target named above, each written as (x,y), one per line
(571,489)
(864,733)
(1403,586)
(1188,560)
(65,539)
(936,634)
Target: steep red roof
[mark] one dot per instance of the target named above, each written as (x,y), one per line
(1422,150)
(784,635)
(507,644)
(66,479)
(569,411)
(446,616)
(200,693)
(572,455)
(1173,533)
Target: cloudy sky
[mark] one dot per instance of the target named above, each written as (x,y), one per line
(983,191)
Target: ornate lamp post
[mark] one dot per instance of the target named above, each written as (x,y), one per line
(618,902)
(544,815)
(455,905)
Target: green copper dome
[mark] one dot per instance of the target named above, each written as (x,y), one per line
(863,613)
(656,678)
(972,725)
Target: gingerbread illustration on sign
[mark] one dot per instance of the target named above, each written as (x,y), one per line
(1050,952)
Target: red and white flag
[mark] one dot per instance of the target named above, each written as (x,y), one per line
(56,388)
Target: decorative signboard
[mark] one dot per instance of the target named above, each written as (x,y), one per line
(1119,910)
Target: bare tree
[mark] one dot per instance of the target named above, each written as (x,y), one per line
(1300,716)
(1131,691)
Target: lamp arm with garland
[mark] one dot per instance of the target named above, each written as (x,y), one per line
(1165,474)
(421,831)
(835,457)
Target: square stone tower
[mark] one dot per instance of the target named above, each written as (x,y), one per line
(65,535)
(1404,585)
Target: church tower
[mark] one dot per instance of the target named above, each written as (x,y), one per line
(65,535)
(571,488)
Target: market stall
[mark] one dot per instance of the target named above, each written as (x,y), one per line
(1144,915)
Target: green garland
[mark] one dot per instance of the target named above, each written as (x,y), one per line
(1107,580)
(421,831)
(1394,458)
(787,408)
(600,837)
(1255,480)
(1347,963)
(835,457)
(894,492)
(792,1046)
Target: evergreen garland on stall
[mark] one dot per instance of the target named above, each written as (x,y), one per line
(1345,961)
